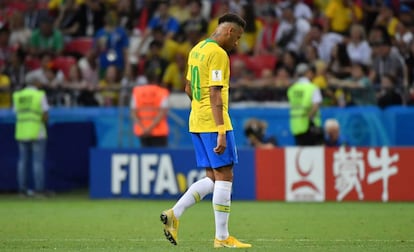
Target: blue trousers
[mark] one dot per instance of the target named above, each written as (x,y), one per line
(36,150)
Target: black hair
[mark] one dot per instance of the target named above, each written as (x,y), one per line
(232,18)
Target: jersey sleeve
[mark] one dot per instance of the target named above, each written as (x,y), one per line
(218,68)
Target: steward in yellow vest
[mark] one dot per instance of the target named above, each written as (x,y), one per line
(304,100)
(31,107)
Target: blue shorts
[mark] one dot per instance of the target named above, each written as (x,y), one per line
(204,144)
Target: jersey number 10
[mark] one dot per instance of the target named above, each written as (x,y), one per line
(195,83)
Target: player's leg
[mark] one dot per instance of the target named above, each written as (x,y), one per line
(196,192)
(223,174)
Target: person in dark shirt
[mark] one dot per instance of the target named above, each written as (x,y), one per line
(333,137)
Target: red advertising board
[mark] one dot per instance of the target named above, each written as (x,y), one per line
(335,174)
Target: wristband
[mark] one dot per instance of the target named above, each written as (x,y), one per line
(221,129)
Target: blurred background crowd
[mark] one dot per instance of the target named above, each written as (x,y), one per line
(92,52)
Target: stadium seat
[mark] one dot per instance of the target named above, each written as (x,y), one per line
(64,63)
(78,46)
(32,63)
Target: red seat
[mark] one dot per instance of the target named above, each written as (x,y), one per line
(32,63)
(64,63)
(79,46)
(260,62)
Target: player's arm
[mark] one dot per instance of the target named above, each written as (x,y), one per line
(188,90)
(217,109)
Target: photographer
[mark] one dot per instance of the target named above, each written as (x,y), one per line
(255,131)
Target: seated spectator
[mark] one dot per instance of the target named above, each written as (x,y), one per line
(33,14)
(282,78)
(174,77)
(49,78)
(195,23)
(332,134)
(73,86)
(388,96)
(321,80)
(46,38)
(358,48)
(404,36)
(89,67)
(179,10)
(255,131)
(154,63)
(20,34)
(110,87)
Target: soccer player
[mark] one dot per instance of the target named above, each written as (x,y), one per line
(211,130)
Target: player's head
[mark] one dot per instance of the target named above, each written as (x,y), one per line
(229,30)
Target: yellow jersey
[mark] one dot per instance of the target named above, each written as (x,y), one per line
(208,65)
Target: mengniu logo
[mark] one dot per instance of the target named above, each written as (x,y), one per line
(305,174)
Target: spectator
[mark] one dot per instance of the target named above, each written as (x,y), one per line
(33,14)
(68,20)
(112,42)
(5,87)
(16,69)
(300,9)
(387,60)
(46,38)
(72,86)
(162,19)
(174,76)
(341,14)
(387,19)
(179,10)
(5,49)
(31,108)
(255,131)
(20,35)
(222,7)
(388,96)
(149,110)
(291,31)
(110,87)
(283,78)
(324,42)
(288,60)
(340,63)
(358,84)
(89,67)
(196,23)
(91,16)
(332,134)
(252,30)
(154,63)
(304,100)
(358,48)
(404,36)
(126,14)
(265,43)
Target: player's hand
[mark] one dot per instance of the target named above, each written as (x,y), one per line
(221,144)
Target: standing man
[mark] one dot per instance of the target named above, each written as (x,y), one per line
(211,130)
(31,107)
(304,100)
(149,110)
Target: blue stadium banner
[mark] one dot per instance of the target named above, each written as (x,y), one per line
(158,173)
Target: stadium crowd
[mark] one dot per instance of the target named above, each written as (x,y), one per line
(92,52)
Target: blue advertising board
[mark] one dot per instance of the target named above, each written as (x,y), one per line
(158,173)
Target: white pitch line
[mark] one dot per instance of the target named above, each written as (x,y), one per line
(205,240)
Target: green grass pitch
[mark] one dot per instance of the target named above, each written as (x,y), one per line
(75,223)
